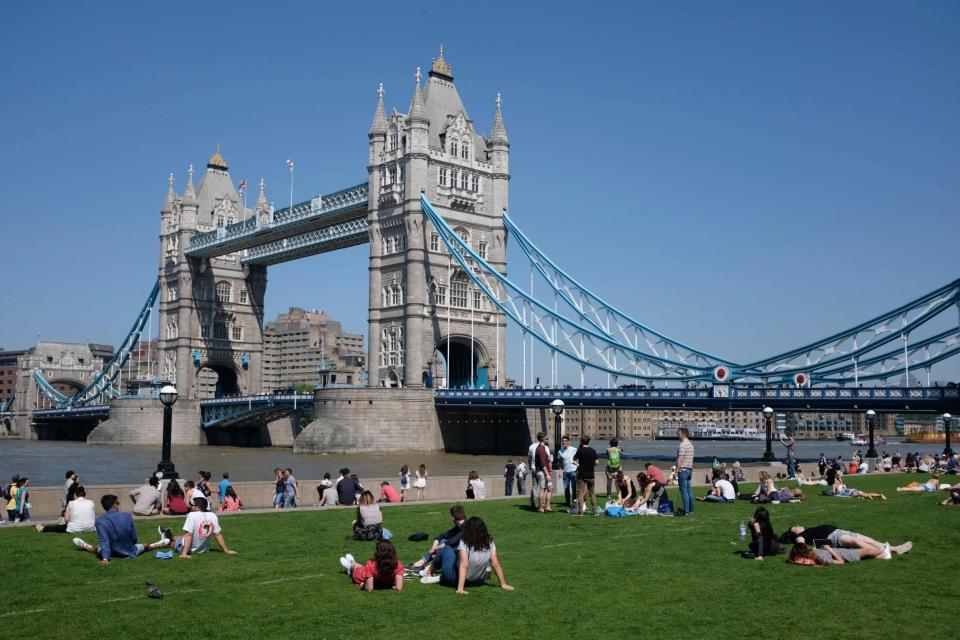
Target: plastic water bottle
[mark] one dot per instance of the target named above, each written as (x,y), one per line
(743,531)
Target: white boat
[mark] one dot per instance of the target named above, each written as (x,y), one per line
(858,441)
(846,435)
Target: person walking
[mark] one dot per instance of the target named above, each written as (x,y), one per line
(532,465)
(614,456)
(521,477)
(543,482)
(586,460)
(569,470)
(685,470)
(291,489)
(509,475)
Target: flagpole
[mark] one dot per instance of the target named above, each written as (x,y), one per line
(290,166)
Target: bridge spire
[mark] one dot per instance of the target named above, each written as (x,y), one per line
(189,194)
(417,112)
(498,133)
(379,124)
(171,196)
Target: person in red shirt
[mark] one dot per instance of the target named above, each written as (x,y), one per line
(388,493)
(657,482)
(384,571)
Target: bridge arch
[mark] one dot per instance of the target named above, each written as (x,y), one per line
(217,379)
(459,357)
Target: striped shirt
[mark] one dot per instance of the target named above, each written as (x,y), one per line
(685,454)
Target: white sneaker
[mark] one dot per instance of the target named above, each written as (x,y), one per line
(81,545)
(885,551)
(901,549)
(163,542)
(347,563)
(430,580)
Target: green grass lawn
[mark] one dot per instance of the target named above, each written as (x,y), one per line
(574,577)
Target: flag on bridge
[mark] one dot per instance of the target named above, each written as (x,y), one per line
(290,165)
(243,185)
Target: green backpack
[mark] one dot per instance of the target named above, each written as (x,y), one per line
(613,458)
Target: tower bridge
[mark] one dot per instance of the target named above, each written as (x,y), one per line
(433,211)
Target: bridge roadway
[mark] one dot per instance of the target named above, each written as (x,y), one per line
(254,410)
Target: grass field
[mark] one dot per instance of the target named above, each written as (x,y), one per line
(574,577)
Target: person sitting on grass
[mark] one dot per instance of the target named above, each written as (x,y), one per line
(328,498)
(828,555)
(468,565)
(722,491)
(384,571)
(175,503)
(953,499)
(198,528)
(840,490)
(765,489)
(763,540)
(451,536)
(933,484)
(146,499)
(116,534)
(79,516)
(841,538)
(231,501)
(369,522)
(626,490)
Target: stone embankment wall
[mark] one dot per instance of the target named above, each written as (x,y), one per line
(371,420)
(140,421)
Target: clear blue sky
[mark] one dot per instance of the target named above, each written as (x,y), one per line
(745,177)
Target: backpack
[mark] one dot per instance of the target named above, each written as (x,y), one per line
(613,458)
(665,506)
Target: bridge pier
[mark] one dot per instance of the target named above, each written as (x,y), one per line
(140,421)
(371,420)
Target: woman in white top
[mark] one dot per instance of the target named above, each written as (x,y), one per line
(421,482)
(79,516)
(477,554)
(476,490)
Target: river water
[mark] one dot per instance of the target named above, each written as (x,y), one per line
(45,462)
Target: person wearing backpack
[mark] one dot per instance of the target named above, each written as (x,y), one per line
(614,455)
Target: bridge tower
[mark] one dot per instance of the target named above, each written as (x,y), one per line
(424,312)
(211,310)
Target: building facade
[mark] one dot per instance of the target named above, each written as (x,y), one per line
(307,346)
(427,322)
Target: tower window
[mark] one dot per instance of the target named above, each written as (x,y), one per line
(394,141)
(465,151)
(443,176)
(243,296)
(482,250)
(236,333)
(475,183)
(434,242)
(463,179)
(477,300)
(223,291)
(453,179)
(453,148)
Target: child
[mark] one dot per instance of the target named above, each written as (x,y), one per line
(384,571)
(404,482)
(231,502)
(421,482)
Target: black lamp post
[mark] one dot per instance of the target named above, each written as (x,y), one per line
(872,450)
(557,407)
(168,395)
(768,418)
(946,432)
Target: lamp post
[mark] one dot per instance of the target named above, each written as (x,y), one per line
(168,395)
(557,407)
(768,419)
(872,451)
(946,432)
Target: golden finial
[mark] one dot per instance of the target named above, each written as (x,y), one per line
(217,161)
(441,67)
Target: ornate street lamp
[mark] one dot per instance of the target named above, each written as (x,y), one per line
(768,418)
(168,396)
(946,432)
(557,407)
(872,450)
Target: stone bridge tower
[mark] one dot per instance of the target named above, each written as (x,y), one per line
(424,312)
(211,310)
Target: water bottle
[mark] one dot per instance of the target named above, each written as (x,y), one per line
(743,531)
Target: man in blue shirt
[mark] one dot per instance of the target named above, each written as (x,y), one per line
(222,486)
(116,534)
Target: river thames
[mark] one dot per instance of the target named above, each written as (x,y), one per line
(45,462)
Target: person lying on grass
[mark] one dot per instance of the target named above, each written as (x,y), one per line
(384,571)
(841,490)
(933,484)
(469,565)
(953,499)
(451,537)
(827,555)
(841,538)
(116,534)
(199,526)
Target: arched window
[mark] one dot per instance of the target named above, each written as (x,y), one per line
(465,151)
(223,291)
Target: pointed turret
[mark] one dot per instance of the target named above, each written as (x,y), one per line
(379,124)
(190,194)
(171,197)
(498,134)
(417,111)
(262,199)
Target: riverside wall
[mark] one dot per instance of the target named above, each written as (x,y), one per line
(140,421)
